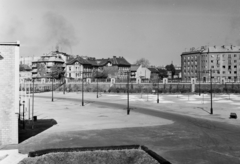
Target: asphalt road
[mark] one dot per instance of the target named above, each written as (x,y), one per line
(189,140)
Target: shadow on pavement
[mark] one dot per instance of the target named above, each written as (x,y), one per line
(31,129)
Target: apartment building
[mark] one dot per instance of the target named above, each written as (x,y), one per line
(222,61)
(42,67)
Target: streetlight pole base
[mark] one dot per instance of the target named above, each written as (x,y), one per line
(211,111)
(157,100)
(128,112)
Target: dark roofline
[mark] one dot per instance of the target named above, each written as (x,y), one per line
(198,52)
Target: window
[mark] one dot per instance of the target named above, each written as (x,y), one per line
(235,61)
(229,67)
(229,55)
(212,66)
(211,61)
(69,74)
(235,66)
(70,68)
(235,72)
(223,72)
(223,66)
(235,55)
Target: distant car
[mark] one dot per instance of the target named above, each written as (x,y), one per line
(233,115)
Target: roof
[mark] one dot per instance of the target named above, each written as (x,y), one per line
(116,61)
(79,60)
(134,67)
(153,70)
(49,59)
(213,49)
(120,61)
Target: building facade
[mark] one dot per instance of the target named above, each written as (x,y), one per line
(9,99)
(116,67)
(222,61)
(43,67)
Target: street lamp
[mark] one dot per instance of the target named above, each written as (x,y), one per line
(199,78)
(211,109)
(52,87)
(128,109)
(82,89)
(97,82)
(33,103)
(158,89)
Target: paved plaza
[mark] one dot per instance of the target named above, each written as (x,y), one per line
(104,121)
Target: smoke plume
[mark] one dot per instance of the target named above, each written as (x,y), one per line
(59,31)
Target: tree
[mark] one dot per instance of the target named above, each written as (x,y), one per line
(171,69)
(57,72)
(99,74)
(144,62)
(110,71)
(162,73)
(41,69)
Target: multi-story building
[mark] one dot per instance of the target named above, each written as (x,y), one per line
(116,67)
(9,99)
(78,68)
(42,67)
(222,61)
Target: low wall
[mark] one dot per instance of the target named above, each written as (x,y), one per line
(144,87)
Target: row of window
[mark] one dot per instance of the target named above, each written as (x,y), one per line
(213,71)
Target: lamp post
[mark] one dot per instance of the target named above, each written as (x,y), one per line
(52,87)
(64,85)
(23,115)
(97,82)
(82,89)
(19,110)
(158,89)
(33,104)
(211,109)
(199,77)
(128,109)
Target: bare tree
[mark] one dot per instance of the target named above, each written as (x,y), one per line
(144,62)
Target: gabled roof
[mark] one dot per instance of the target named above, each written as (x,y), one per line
(120,61)
(153,70)
(78,59)
(134,67)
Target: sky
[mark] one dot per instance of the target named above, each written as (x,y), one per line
(158,30)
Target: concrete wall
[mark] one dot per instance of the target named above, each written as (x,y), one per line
(9,99)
